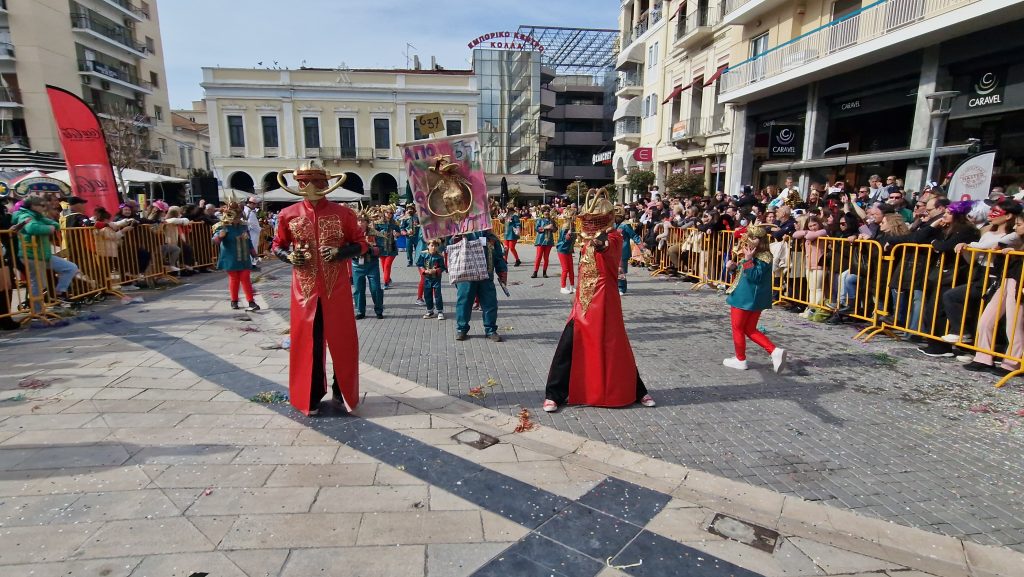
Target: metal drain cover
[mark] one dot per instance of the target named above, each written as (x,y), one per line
(753,535)
(474,439)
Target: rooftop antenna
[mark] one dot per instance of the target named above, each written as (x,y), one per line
(408,53)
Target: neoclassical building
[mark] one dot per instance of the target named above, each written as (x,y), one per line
(351,120)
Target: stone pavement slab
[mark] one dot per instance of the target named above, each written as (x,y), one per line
(389,494)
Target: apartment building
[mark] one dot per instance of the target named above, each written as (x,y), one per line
(640,62)
(582,129)
(863,78)
(261,121)
(106,51)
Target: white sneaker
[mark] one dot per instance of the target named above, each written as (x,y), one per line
(951,338)
(421,302)
(550,406)
(128,287)
(734,363)
(429,315)
(440,316)
(572,290)
(965,358)
(565,290)
(622,294)
(779,359)
(173,269)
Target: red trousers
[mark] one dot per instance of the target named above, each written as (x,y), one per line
(566,261)
(236,277)
(543,253)
(419,291)
(510,247)
(387,262)
(744,324)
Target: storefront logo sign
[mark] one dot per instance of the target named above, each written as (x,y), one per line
(851,105)
(603,157)
(785,141)
(645,154)
(988,91)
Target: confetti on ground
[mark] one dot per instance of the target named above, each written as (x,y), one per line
(525,424)
(248,329)
(284,331)
(276,295)
(270,347)
(132,300)
(16,398)
(482,391)
(269,397)
(207,492)
(33,384)
(981,409)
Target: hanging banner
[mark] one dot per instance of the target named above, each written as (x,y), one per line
(971,179)
(85,150)
(449,200)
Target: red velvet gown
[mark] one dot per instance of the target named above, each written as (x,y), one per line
(594,348)
(323,289)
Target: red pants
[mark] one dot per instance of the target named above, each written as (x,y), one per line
(510,247)
(236,277)
(419,291)
(566,261)
(744,324)
(543,253)
(387,262)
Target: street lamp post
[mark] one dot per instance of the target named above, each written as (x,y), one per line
(940,104)
(720,149)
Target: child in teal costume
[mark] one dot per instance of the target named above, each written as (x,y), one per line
(545,239)
(231,234)
(366,270)
(749,296)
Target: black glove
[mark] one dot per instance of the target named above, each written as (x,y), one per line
(293,258)
(347,251)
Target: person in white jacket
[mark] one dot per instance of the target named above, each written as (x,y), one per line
(174,227)
(252,220)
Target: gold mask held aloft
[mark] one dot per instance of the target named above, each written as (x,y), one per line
(312,180)
(456,194)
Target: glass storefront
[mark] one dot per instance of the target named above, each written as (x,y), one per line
(509,114)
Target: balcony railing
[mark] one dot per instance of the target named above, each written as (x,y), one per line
(345,153)
(695,21)
(116,34)
(698,126)
(6,50)
(629,80)
(111,72)
(10,95)
(869,23)
(130,8)
(627,126)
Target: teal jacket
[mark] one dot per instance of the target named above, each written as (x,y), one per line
(39,227)
(235,251)
(386,229)
(511,226)
(566,240)
(546,238)
(629,236)
(753,289)
(435,261)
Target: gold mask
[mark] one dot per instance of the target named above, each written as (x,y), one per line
(312,180)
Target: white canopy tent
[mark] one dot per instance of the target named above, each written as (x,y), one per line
(281,195)
(130,175)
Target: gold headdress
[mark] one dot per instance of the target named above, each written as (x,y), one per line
(597,214)
(316,179)
(456,194)
(755,235)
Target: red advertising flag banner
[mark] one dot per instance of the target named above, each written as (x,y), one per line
(85,150)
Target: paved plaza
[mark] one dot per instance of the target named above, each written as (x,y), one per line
(129,447)
(879,429)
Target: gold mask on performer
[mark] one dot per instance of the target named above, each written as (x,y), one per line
(312,181)
(597,214)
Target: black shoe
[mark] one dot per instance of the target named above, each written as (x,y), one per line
(380,315)
(495,337)
(937,350)
(360,317)
(256,268)
(885,320)
(975,366)
(534,274)
(253,307)
(9,325)
(460,336)
(518,263)
(545,274)
(844,310)
(234,305)
(410,264)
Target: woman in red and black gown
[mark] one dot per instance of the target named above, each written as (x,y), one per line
(593,363)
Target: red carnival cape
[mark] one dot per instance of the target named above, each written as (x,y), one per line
(604,371)
(325,224)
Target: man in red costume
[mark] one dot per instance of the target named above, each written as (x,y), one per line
(319,239)
(593,363)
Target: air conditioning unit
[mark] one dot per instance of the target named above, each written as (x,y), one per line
(87,80)
(104,85)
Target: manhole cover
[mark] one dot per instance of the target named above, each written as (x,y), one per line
(474,439)
(753,535)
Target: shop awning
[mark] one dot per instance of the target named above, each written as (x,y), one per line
(630,108)
(675,92)
(870,158)
(715,76)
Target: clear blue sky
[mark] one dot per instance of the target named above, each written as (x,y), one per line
(362,34)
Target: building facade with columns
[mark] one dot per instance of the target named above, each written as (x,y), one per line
(262,121)
(860,79)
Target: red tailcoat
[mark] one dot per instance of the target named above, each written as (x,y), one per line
(326,283)
(603,368)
